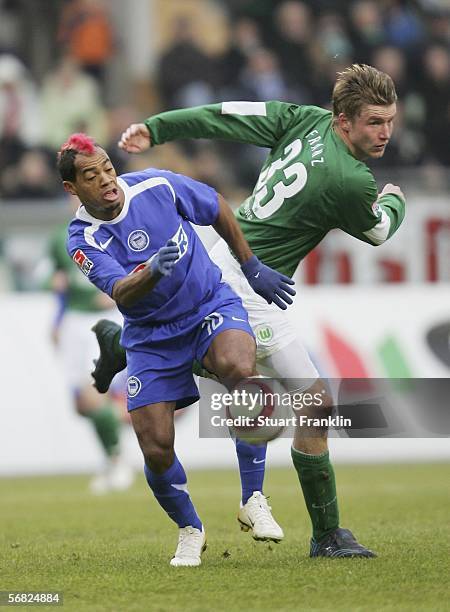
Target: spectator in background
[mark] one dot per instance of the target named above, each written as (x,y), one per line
(245,38)
(436,91)
(262,79)
(9,26)
(19,120)
(402,24)
(86,35)
(32,177)
(333,37)
(70,101)
(367,29)
(186,73)
(439,27)
(19,106)
(331,52)
(291,40)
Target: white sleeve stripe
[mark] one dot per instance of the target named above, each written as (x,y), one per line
(149,183)
(89,232)
(244,108)
(380,232)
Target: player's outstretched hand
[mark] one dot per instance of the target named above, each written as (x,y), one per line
(394,189)
(135,139)
(163,262)
(270,284)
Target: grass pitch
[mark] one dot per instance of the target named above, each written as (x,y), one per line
(111,553)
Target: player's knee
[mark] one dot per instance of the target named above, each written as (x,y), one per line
(158,457)
(244,369)
(319,404)
(156,446)
(324,408)
(234,368)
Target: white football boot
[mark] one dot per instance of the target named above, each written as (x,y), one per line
(191,544)
(256,515)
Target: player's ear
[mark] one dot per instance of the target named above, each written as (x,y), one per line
(343,122)
(69,187)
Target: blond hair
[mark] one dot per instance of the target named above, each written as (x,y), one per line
(358,85)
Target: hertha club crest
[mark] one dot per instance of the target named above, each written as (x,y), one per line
(138,240)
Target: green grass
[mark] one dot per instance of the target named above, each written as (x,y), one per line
(112,553)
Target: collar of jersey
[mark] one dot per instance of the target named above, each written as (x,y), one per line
(83,214)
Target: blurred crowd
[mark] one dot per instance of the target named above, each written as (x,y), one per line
(286,50)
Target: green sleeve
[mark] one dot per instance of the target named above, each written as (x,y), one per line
(366,216)
(394,206)
(357,214)
(258,123)
(57,250)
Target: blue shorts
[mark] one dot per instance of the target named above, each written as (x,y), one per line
(160,369)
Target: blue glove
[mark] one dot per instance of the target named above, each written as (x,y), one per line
(270,284)
(163,262)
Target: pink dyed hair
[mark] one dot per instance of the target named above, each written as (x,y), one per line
(81,143)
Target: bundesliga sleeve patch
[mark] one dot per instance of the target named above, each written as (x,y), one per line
(376,209)
(83,262)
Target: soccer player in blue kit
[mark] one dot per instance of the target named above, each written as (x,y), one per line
(132,239)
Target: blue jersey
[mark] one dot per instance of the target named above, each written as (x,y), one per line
(158,206)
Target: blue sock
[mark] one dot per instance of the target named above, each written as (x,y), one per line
(252,464)
(170,489)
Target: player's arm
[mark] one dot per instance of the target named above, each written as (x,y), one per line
(109,276)
(258,123)
(369,216)
(59,284)
(130,289)
(59,281)
(270,284)
(228,228)
(391,212)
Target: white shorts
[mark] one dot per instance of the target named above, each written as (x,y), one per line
(78,344)
(279,350)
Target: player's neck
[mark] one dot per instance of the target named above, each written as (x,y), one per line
(340,133)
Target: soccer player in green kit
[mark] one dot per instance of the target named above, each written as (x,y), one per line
(79,305)
(314,180)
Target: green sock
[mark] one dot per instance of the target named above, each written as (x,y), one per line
(318,483)
(107,426)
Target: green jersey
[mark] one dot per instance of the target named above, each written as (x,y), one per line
(81,294)
(309,184)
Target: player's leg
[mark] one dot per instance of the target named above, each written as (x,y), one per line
(228,351)
(166,477)
(157,370)
(310,454)
(280,351)
(231,356)
(254,513)
(102,412)
(77,347)
(112,356)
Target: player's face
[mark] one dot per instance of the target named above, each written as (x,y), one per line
(369,132)
(96,185)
